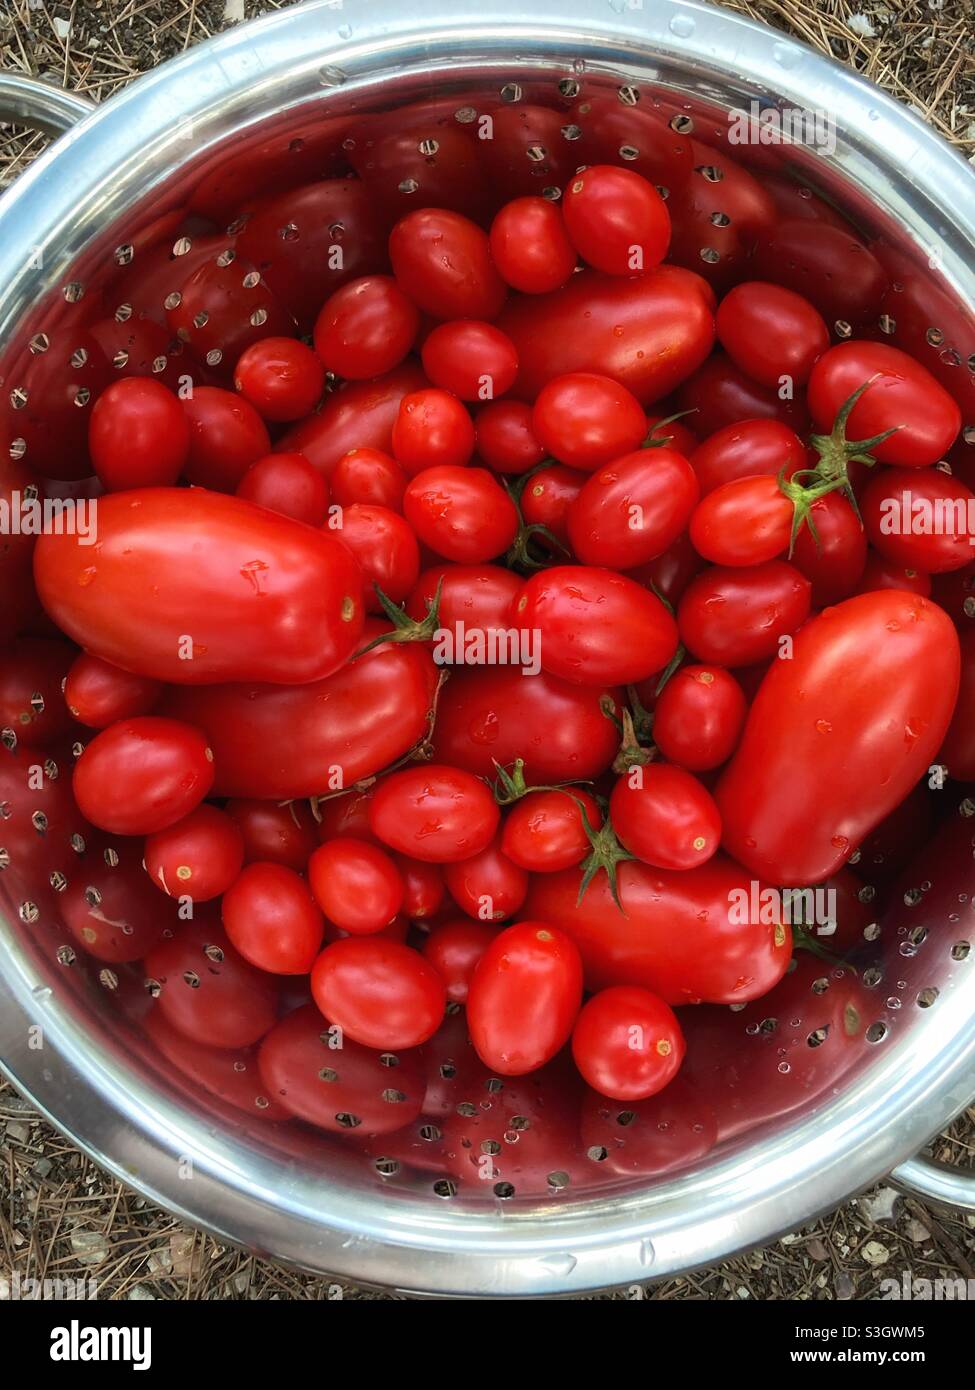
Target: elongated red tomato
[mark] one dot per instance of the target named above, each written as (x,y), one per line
(920,519)
(524,997)
(616,220)
(686,935)
(207,991)
(736,616)
(381,993)
(530,246)
(665,816)
(479,596)
(698,717)
(366,328)
(288,484)
(443,262)
(197,857)
(744,449)
(356,884)
(141,775)
(98,693)
(454,949)
(435,813)
(281,834)
(273,920)
(632,509)
(489,886)
(744,522)
(360,415)
(138,436)
(462,514)
(859,713)
(584,419)
(191,586)
(544,831)
(627,1043)
(771,332)
(831,551)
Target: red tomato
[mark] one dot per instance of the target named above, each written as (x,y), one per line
(432,429)
(596,627)
(544,831)
(281,378)
(504,438)
(339,1088)
(443,262)
(423,887)
(771,333)
(462,514)
(530,246)
(248,595)
(366,328)
(736,617)
(698,718)
(140,775)
(380,993)
(745,449)
(454,949)
(489,886)
(112,909)
(370,476)
(429,161)
(356,885)
(287,484)
(627,1043)
(33,671)
(920,520)
(665,431)
(197,857)
(385,549)
(53,390)
(208,992)
(226,436)
(524,998)
(479,596)
(879,573)
(42,828)
(743,523)
(547,499)
(435,813)
(720,394)
(358,416)
(616,220)
(632,509)
(138,435)
(98,694)
(585,420)
(665,816)
(222,307)
(831,550)
(474,360)
(681,934)
(902,396)
(860,711)
(827,265)
(282,834)
(346,814)
(272,919)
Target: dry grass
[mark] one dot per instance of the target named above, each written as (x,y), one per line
(60,1215)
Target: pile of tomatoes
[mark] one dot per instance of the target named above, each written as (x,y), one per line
(505,601)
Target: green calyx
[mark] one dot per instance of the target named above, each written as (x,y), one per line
(662,443)
(509,787)
(605,853)
(522,555)
(405,628)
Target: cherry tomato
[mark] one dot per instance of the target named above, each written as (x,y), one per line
(698,717)
(141,775)
(197,857)
(281,834)
(524,997)
(919,519)
(207,991)
(281,378)
(479,596)
(474,360)
(435,813)
(827,265)
(585,420)
(432,429)
(530,246)
(771,332)
(272,919)
(32,673)
(462,514)
(489,886)
(548,498)
(454,949)
(423,887)
(504,438)
(443,262)
(366,328)
(665,817)
(616,220)
(831,550)
(369,476)
(385,549)
(544,831)
(632,509)
(111,908)
(98,693)
(627,1043)
(745,449)
(287,484)
(742,523)
(596,627)
(138,435)
(226,436)
(356,885)
(359,415)
(737,616)
(380,993)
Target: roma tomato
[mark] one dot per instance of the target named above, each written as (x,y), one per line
(32,673)
(524,998)
(547,499)
(381,993)
(462,514)
(443,262)
(478,596)
(435,813)
(530,247)
(197,857)
(736,616)
(585,420)
(98,693)
(207,991)
(489,886)
(627,1043)
(860,712)
(504,439)
(112,909)
(474,360)
(432,429)
(544,831)
(596,627)
(370,476)
(745,449)
(745,522)
(831,550)
(665,817)
(248,595)
(632,509)
(287,484)
(771,332)
(272,919)
(920,520)
(385,549)
(281,377)
(454,949)
(283,834)
(698,717)
(616,220)
(138,435)
(360,415)
(366,328)
(356,885)
(141,775)
(423,887)
(226,436)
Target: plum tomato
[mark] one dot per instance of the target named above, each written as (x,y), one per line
(138,435)
(737,616)
(616,220)
(489,886)
(632,509)
(544,831)
(585,420)
(665,816)
(423,887)
(443,262)
(272,919)
(627,1043)
(280,833)
(380,993)
(745,449)
(698,717)
(503,437)
(366,328)
(771,333)
(474,360)
(356,884)
(432,429)
(226,436)
(287,484)
(384,547)
(207,991)
(281,378)
(463,514)
(745,522)
(530,246)
(198,857)
(98,693)
(435,813)
(370,476)
(142,775)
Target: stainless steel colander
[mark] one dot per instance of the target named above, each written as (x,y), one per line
(228,118)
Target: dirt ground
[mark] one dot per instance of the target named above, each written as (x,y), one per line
(61,1215)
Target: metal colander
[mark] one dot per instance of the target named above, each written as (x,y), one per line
(265,108)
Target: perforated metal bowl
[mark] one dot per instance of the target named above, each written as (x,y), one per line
(233,112)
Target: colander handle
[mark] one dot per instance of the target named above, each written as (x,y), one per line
(39,105)
(937,1182)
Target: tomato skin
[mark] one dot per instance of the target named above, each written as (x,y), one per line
(98,693)
(698,717)
(675,936)
(524,997)
(904,395)
(479,596)
(423,887)
(296,1053)
(543,831)
(207,991)
(862,730)
(198,857)
(138,435)
(380,993)
(141,775)
(432,429)
(435,813)
(771,332)
(627,1043)
(496,713)
(665,816)
(489,886)
(443,262)
(596,627)
(32,671)
(230,1074)
(833,561)
(958,749)
(474,360)
(827,265)
(632,509)
(530,246)
(745,522)
(356,884)
(273,920)
(366,328)
(879,573)
(667,1133)
(385,549)
(616,220)
(111,908)
(648,333)
(720,394)
(745,449)
(369,476)
(454,949)
(548,498)
(281,834)
(287,484)
(261,596)
(894,506)
(735,616)
(360,415)
(462,514)
(226,436)
(281,378)
(585,420)
(504,439)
